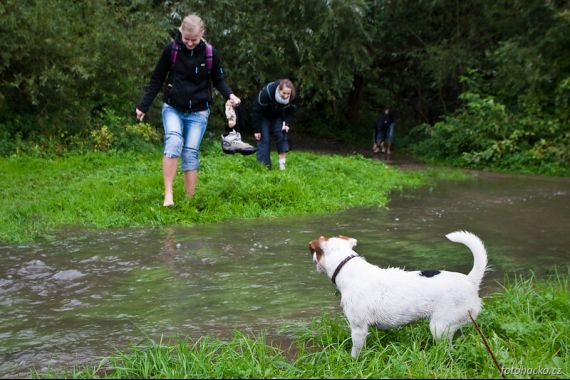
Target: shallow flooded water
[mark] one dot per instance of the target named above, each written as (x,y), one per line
(72,300)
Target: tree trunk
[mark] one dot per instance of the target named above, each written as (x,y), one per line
(355,98)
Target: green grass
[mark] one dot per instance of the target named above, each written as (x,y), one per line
(40,196)
(526,325)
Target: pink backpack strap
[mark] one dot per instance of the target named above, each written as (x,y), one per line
(209,57)
(174,49)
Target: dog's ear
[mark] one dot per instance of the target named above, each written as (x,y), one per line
(315,247)
(351,241)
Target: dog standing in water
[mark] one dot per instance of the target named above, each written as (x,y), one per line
(387,298)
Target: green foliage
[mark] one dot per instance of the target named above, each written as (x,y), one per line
(485,134)
(63,65)
(108,132)
(112,132)
(63,62)
(514,113)
(562,101)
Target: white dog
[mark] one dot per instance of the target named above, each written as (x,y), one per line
(393,297)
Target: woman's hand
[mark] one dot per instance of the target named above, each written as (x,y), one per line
(140,115)
(235,101)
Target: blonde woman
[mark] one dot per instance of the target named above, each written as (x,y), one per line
(187,65)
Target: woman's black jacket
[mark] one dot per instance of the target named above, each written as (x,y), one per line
(188,79)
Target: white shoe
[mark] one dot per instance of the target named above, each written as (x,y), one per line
(232,144)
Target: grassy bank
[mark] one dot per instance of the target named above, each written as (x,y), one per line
(526,326)
(106,190)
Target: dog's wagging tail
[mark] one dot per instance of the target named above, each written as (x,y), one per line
(391,297)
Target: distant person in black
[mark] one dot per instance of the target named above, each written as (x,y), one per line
(384,133)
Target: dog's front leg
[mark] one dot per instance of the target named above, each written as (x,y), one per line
(359,334)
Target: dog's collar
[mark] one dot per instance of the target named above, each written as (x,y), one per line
(333,278)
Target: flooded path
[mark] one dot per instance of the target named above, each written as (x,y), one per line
(74,299)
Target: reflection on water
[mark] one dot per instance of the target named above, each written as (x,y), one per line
(76,299)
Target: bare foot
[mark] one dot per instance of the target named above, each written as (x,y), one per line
(168,201)
(189,194)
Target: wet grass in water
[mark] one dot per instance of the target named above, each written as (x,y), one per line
(526,326)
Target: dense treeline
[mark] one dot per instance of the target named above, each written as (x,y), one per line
(492,73)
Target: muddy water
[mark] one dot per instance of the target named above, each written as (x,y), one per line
(72,300)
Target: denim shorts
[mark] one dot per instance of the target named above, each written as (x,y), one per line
(183,133)
(386,134)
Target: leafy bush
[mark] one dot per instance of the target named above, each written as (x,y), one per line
(113,132)
(63,62)
(109,132)
(485,134)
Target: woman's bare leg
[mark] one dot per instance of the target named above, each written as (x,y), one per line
(169,166)
(190,182)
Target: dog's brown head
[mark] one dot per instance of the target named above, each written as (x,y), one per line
(318,247)
(315,248)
